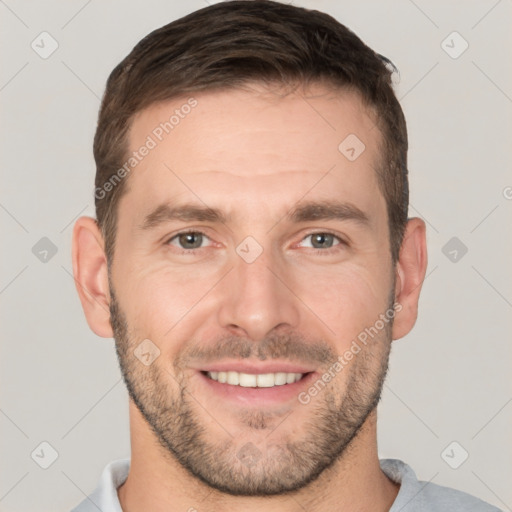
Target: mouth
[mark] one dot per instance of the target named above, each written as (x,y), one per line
(271,384)
(255,380)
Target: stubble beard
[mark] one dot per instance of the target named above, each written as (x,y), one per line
(245,466)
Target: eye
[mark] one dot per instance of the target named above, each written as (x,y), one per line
(188,240)
(322,240)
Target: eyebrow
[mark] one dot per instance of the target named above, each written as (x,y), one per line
(327,210)
(186,213)
(303,212)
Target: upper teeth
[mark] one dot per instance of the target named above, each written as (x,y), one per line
(250,380)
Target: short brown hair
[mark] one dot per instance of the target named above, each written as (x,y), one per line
(233,43)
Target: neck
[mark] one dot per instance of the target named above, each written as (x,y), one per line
(157,482)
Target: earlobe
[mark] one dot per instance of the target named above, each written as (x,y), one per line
(410,273)
(91,275)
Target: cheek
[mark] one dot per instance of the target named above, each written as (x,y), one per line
(347,299)
(158,300)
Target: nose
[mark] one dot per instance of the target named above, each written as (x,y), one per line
(258,298)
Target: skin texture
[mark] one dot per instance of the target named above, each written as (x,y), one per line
(255,154)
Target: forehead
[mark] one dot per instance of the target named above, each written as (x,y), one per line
(237,147)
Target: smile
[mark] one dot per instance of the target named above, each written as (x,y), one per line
(250,380)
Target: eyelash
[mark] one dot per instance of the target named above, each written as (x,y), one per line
(315,250)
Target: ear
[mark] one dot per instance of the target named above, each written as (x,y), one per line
(410,273)
(91,275)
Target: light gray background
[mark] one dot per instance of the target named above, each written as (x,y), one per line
(449,379)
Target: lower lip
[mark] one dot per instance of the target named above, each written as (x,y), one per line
(258,396)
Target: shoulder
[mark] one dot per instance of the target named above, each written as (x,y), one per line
(104,497)
(420,496)
(439,497)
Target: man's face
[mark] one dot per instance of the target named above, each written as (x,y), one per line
(271,285)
